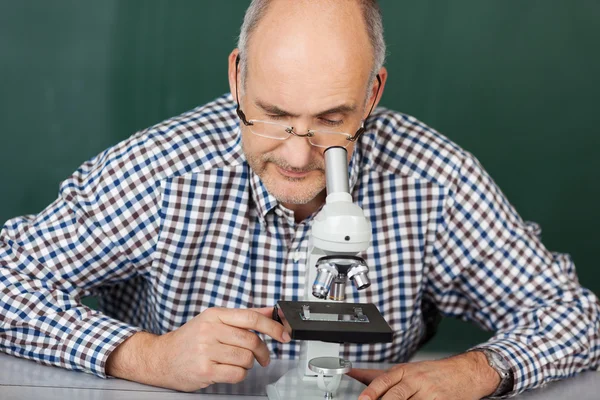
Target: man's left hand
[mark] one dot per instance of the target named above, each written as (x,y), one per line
(466,376)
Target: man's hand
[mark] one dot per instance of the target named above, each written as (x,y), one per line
(464,377)
(215,346)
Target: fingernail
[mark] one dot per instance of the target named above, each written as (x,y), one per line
(364,397)
(286,337)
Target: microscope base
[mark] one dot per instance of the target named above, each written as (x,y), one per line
(294,386)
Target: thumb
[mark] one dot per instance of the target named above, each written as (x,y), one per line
(364,375)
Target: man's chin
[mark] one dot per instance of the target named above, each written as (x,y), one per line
(293,191)
(293,196)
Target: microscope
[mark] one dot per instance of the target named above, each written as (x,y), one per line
(322,320)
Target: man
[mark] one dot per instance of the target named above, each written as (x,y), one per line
(191,230)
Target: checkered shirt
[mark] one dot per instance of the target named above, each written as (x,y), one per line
(173,221)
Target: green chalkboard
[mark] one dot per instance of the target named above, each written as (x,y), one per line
(514,82)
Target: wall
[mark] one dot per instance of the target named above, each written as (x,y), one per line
(515,83)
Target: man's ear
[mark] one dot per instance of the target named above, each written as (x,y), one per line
(231,62)
(383,74)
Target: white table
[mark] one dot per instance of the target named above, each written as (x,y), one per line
(26,380)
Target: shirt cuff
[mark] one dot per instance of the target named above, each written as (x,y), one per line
(526,368)
(89,345)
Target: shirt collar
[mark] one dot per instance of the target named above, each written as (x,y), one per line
(264,200)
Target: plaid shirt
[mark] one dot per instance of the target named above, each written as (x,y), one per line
(173,221)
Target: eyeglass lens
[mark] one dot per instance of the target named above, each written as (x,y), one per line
(319,138)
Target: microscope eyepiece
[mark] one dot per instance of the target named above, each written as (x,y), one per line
(336,170)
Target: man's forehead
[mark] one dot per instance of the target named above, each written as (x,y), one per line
(327,33)
(311,92)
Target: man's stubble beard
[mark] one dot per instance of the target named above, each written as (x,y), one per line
(306,189)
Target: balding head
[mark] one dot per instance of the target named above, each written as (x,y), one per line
(361,16)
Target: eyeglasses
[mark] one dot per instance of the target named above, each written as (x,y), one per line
(317,138)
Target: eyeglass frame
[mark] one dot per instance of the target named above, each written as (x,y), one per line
(290,129)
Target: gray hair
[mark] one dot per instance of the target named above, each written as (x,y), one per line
(371,14)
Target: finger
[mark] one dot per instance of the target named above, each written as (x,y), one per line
(266,311)
(243,338)
(248,319)
(401,391)
(384,382)
(223,373)
(365,376)
(232,355)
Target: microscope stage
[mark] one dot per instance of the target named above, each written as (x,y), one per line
(333,322)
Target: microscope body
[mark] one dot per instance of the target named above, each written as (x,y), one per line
(339,232)
(322,320)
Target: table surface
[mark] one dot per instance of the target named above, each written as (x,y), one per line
(23,379)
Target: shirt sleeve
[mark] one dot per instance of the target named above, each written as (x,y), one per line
(488,266)
(99,231)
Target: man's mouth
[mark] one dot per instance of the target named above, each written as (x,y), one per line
(291,174)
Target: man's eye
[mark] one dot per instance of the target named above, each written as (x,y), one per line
(331,122)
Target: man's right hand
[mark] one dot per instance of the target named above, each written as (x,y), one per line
(215,346)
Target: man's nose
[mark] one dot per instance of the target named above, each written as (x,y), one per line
(297,150)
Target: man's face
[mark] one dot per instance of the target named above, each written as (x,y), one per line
(293,170)
(309,76)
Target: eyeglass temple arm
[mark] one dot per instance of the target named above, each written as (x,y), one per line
(362,129)
(238,110)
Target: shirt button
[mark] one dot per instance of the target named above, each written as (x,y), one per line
(297,256)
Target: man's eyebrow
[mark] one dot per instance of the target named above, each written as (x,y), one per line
(341,109)
(274,110)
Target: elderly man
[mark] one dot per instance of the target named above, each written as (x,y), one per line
(191,230)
